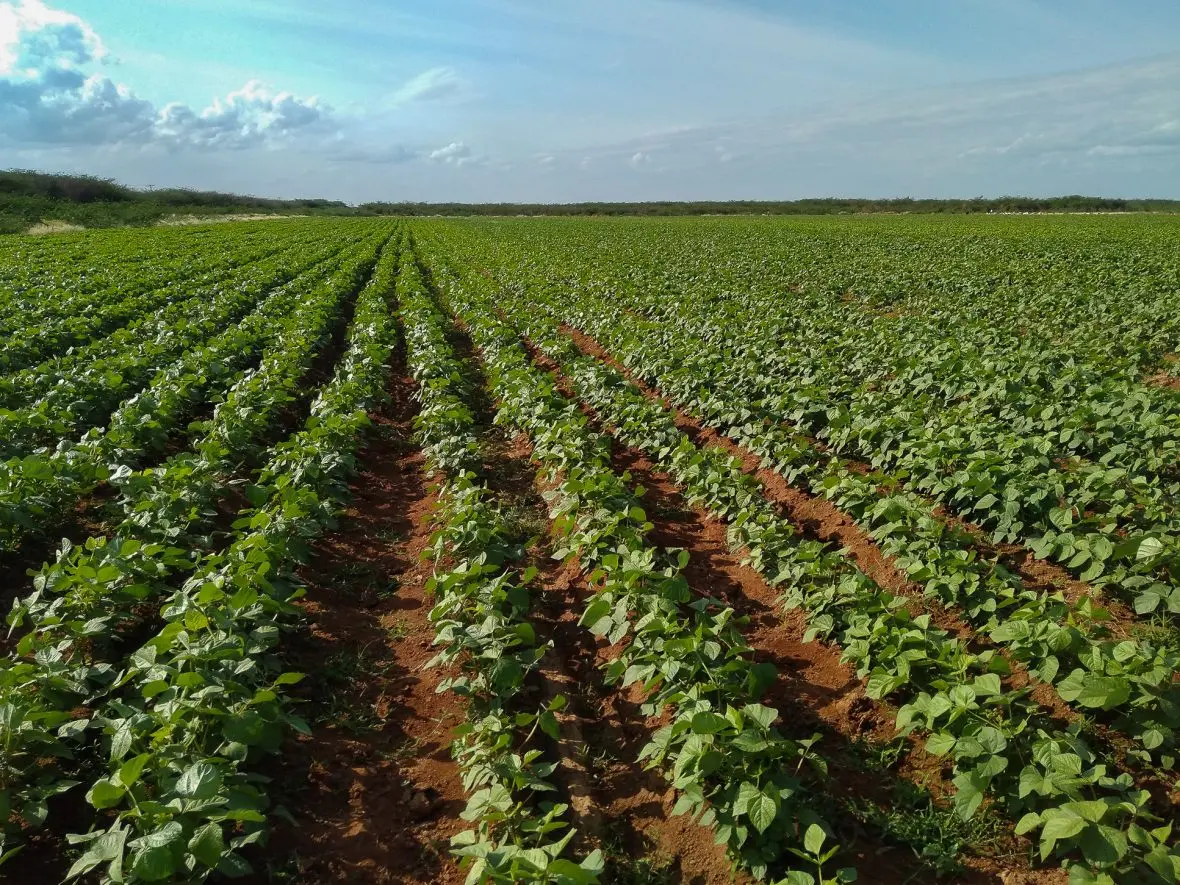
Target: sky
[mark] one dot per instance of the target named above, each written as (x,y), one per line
(570,100)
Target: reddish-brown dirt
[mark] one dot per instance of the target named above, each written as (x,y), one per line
(1164,379)
(374,791)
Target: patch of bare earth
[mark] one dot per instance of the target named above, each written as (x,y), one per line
(373,790)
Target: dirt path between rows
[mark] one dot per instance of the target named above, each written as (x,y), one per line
(374,791)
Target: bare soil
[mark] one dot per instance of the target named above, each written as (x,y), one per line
(374,791)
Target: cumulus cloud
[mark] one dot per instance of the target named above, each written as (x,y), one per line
(34,37)
(251,116)
(49,96)
(456,153)
(640,158)
(431,85)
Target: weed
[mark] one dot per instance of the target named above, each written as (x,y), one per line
(628,867)
(937,835)
(399,630)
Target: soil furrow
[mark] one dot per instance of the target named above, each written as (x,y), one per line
(374,790)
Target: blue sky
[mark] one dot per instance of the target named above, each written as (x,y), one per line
(616,99)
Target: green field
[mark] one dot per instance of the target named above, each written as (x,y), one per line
(558,550)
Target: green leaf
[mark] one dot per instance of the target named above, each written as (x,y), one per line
(104,794)
(153,864)
(705,722)
(165,835)
(813,839)
(750,741)
(207,844)
(107,848)
(234,866)
(988,685)
(1028,823)
(120,743)
(1148,601)
(762,812)
(969,795)
(882,684)
(1101,548)
(1149,548)
(595,612)
(1061,825)
(201,780)
(130,770)
(1096,692)
(940,743)
(1061,517)
(763,715)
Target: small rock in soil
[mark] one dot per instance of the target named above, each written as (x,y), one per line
(424,803)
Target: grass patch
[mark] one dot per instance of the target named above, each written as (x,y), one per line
(938,836)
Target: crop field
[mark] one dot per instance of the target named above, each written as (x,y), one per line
(800,551)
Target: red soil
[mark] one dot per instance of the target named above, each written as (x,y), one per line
(377,802)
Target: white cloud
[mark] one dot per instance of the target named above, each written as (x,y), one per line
(456,153)
(253,115)
(47,95)
(431,85)
(640,158)
(33,37)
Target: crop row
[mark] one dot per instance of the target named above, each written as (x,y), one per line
(88,603)
(481,621)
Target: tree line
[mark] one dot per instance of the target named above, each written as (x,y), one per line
(28,197)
